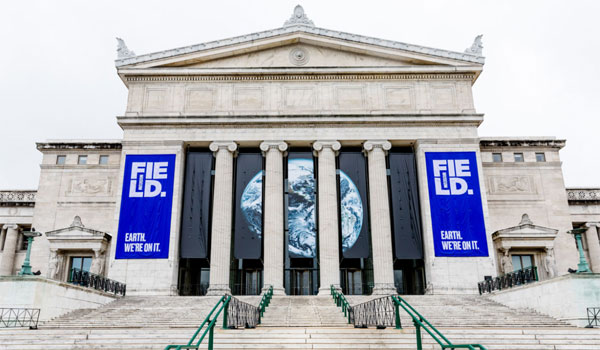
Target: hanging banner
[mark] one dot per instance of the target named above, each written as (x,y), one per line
(455,202)
(146,203)
(301,218)
(354,216)
(248,206)
(405,205)
(195,217)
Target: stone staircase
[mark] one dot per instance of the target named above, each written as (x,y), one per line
(297,323)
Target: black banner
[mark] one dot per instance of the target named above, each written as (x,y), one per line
(301,203)
(248,206)
(405,205)
(354,213)
(196,205)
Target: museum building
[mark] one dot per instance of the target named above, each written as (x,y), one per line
(301,158)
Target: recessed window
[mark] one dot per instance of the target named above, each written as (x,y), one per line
(522,261)
(519,158)
(497,157)
(103,160)
(83,263)
(60,160)
(540,157)
(82,160)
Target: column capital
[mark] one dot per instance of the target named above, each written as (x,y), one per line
(370,145)
(280,145)
(320,145)
(10,226)
(592,224)
(228,145)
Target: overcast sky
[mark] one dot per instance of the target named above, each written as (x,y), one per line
(58,79)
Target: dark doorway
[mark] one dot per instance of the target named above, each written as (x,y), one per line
(194,276)
(247,277)
(356,276)
(301,277)
(409,277)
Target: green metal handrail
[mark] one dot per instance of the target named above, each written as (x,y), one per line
(264,302)
(420,322)
(340,301)
(209,322)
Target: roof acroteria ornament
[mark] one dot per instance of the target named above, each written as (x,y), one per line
(477,46)
(298,18)
(122,50)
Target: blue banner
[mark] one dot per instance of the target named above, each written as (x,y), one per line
(455,202)
(146,202)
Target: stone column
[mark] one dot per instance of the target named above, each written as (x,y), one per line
(10,247)
(381,227)
(273,232)
(329,256)
(220,249)
(593,245)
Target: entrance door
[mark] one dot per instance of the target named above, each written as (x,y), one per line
(352,283)
(301,282)
(252,284)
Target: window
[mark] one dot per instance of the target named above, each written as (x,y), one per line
(522,261)
(497,157)
(540,157)
(103,160)
(82,160)
(519,158)
(60,160)
(82,263)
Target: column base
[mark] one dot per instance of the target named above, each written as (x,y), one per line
(276,290)
(218,290)
(384,289)
(326,291)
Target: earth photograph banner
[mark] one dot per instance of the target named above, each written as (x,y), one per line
(301,205)
(248,206)
(146,203)
(455,202)
(354,217)
(196,205)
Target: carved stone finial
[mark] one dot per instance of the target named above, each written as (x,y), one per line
(477,47)
(77,222)
(298,17)
(122,50)
(525,220)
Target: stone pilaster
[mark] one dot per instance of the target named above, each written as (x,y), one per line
(220,249)
(329,257)
(10,246)
(273,231)
(593,245)
(381,227)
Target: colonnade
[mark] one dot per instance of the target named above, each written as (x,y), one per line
(273,227)
(10,233)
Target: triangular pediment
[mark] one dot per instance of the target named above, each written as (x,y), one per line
(300,46)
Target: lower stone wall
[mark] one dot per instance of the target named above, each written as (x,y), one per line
(53,298)
(565,298)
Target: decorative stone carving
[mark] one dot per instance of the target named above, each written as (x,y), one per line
(17,196)
(511,184)
(298,18)
(98,262)
(477,46)
(89,186)
(53,264)
(525,220)
(507,265)
(584,194)
(383,144)
(299,56)
(122,50)
(77,222)
(550,263)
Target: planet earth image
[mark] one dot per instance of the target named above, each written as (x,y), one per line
(251,204)
(352,211)
(302,229)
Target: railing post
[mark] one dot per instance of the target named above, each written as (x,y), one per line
(210,337)
(418,334)
(397,307)
(226,302)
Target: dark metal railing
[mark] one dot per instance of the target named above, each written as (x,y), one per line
(241,314)
(378,312)
(509,280)
(86,279)
(19,317)
(593,314)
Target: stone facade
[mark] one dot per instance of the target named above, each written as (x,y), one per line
(301,86)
